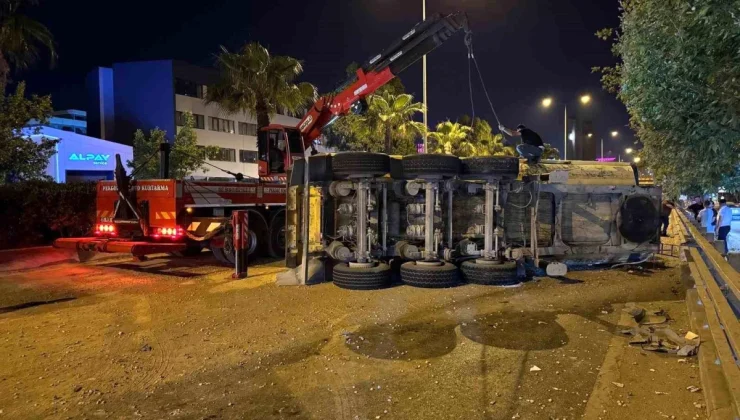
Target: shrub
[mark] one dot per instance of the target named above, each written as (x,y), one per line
(37,212)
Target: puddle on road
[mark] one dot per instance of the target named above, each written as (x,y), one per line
(517,330)
(403,341)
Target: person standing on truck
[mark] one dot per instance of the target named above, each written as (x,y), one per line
(724,221)
(707,217)
(665,216)
(532,145)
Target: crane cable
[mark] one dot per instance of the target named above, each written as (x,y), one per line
(471,57)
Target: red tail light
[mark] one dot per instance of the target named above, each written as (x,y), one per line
(106,229)
(173,233)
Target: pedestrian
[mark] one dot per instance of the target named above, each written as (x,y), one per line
(696,207)
(724,222)
(532,145)
(707,217)
(665,216)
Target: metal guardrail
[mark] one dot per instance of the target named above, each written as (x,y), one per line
(717,287)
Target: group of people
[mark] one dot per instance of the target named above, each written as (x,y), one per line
(713,221)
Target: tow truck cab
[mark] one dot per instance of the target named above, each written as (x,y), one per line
(277,147)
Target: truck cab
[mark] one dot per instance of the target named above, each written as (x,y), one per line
(277,147)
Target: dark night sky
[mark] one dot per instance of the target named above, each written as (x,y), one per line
(527,49)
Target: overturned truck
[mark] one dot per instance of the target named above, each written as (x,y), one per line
(439,220)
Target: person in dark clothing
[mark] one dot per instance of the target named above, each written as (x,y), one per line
(696,207)
(532,145)
(665,216)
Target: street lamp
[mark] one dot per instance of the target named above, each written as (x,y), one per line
(629,150)
(637,159)
(589,135)
(547,103)
(614,135)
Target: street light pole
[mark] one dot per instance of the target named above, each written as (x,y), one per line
(424,80)
(565,134)
(602,149)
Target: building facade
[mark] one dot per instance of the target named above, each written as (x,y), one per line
(156,94)
(79,157)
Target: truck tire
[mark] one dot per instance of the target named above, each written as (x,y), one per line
(430,164)
(360,163)
(639,220)
(491,165)
(366,278)
(276,235)
(430,276)
(490,274)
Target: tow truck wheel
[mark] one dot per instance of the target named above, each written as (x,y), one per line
(429,275)
(276,237)
(503,274)
(362,278)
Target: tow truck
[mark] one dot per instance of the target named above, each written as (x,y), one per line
(182,217)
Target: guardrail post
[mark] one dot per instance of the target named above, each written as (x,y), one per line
(240,224)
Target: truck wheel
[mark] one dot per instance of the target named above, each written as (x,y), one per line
(430,164)
(503,274)
(429,276)
(639,220)
(276,237)
(361,163)
(491,165)
(362,278)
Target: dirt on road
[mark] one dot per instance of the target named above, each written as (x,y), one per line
(173,338)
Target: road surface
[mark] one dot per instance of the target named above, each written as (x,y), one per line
(174,338)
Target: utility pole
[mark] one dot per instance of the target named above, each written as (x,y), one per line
(424,80)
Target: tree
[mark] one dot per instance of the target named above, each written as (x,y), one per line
(255,82)
(679,77)
(453,139)
(185,154)
(550,152)
(22,158)
(20,39)
(395,113)
(486,143)
(389,117)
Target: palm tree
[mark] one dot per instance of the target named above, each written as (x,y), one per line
(253,81)
(395,113)
(20,39)
(453,138)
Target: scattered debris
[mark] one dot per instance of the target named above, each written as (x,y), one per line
(660,393)
(534,369)
(691,336)
(682,361)
(692,388)
(146,347)
(651,336)
(618,384)
(645,317)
